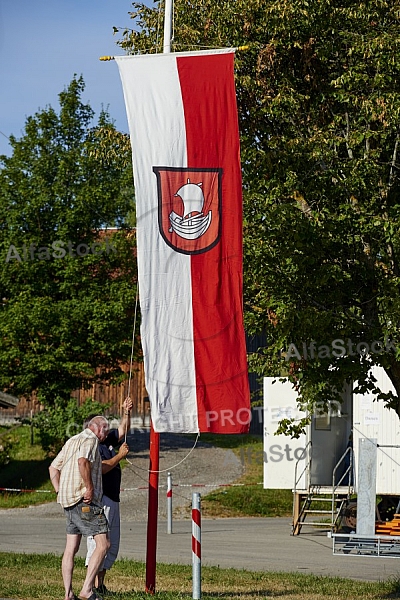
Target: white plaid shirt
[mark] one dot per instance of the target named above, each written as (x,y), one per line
(72,487)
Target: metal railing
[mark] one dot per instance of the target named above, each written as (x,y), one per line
(307,468)
(344,467)
(348,472)
(307,453)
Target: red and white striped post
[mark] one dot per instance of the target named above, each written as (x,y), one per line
(169,503)
(196,546)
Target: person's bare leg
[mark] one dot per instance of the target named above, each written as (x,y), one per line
(100,577)
(67,564)
(102,545)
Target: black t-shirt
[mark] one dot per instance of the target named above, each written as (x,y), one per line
(112,479)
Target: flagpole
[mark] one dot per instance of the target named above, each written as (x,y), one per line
(152,513)
(167,26)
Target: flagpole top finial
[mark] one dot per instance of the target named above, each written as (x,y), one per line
(106,58)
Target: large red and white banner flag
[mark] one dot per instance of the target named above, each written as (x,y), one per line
(184,133)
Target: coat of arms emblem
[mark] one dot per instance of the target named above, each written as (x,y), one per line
(189,207)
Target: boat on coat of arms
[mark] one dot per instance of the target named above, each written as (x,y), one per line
(193,223)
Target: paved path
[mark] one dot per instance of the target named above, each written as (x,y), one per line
(255,544)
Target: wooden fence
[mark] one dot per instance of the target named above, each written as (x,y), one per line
(112,395)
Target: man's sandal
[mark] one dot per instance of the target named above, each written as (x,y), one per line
(93,596)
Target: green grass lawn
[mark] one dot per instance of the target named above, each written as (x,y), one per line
(27,469)
(32,576)
(248,498)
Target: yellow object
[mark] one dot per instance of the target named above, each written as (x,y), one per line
(106,58)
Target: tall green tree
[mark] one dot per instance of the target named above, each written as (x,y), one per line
(68,276)
(319,110)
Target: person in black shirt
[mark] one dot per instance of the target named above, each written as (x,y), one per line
(111,471)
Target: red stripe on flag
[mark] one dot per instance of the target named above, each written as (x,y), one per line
(209,101)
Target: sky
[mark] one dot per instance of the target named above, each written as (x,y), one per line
(43,43)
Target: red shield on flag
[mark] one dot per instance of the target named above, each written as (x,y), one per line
(189,207)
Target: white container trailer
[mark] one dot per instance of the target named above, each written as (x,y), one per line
(315,463)
(281,453)
(372,420)
(327,434)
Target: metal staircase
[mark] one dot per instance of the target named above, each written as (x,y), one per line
(317,502)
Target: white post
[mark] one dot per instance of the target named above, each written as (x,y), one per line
(167,26)
(196,546)
(169,503)
(366,486)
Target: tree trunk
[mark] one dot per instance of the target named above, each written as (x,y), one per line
(394,375)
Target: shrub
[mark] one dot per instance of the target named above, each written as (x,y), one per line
(62,420)
(6,443)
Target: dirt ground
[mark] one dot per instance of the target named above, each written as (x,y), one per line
(188,462)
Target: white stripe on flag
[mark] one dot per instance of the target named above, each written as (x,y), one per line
(167,321)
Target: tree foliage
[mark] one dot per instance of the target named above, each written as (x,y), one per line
(68,281)
(319,110)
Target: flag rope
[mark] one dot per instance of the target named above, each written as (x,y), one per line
(169,468)
(132,347)
(133,341)
(143,487)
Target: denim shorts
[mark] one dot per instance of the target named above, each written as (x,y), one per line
(85,519)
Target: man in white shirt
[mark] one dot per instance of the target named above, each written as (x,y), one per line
(76,475)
